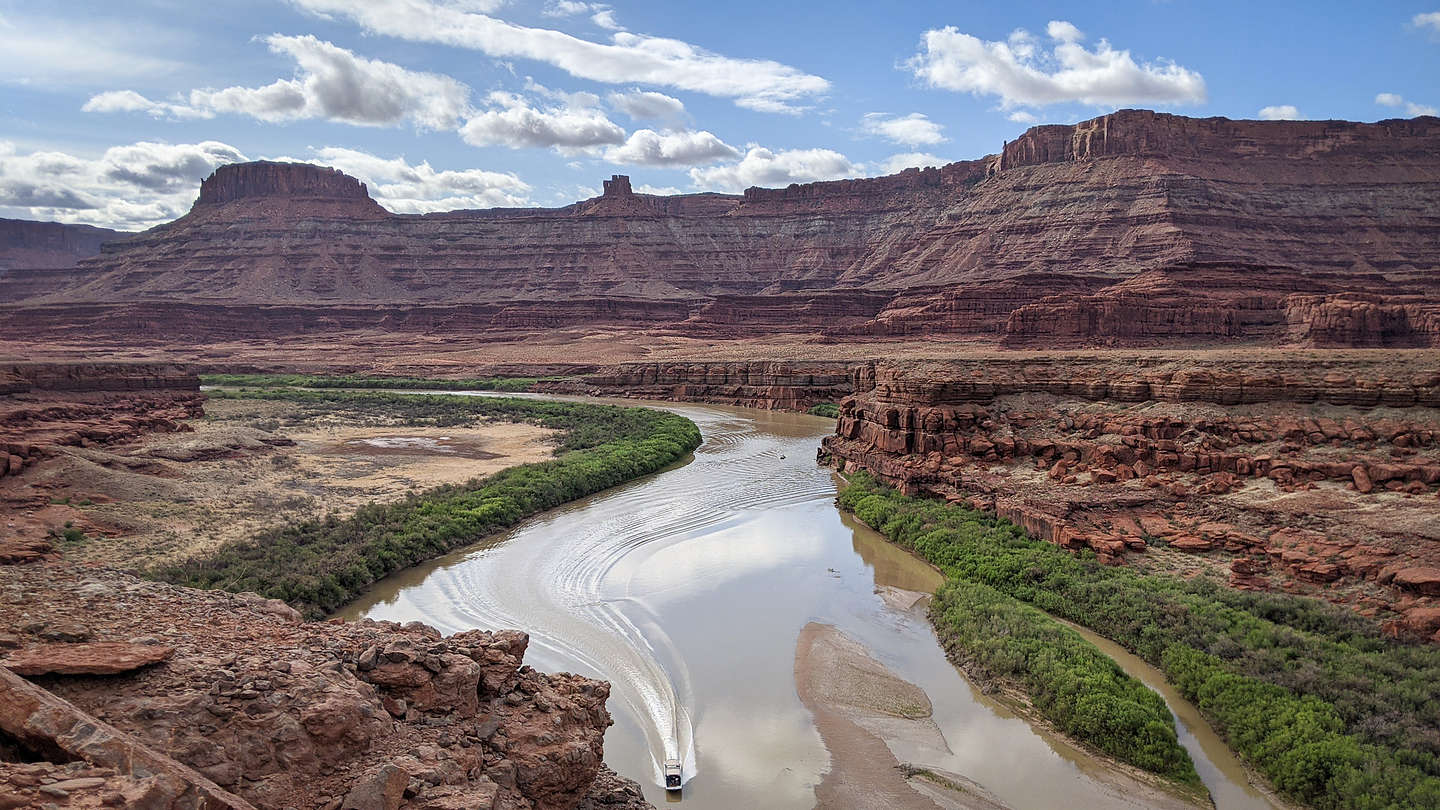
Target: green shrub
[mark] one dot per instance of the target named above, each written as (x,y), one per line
(826,409)
(1311,693)
(320,565)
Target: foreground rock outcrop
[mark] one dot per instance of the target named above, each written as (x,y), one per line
(1315,476)
(252,703)
(1134,228)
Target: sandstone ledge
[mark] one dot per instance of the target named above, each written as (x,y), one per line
(1312,477)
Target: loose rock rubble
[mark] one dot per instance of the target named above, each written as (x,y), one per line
(287,714)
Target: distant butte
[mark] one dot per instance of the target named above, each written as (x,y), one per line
(1132,229)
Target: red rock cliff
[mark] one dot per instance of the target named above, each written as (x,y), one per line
(1219,456)
(1135,228)
(1141,133)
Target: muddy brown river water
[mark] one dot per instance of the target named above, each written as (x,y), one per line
(688,589)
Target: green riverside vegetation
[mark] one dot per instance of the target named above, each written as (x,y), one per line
(1333,713)
(1071,682)
(510,384)
(318,566)
(827,409)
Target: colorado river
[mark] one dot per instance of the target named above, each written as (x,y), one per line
(688,589)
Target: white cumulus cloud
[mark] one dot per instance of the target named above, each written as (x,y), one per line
(512,121)
(909,160)
(128,187)
(1280,112)
(1023,71)
(659,191)
(122,101)
(1429,19)
(420,189)
(628,58)
(765,167)
(911,130)
(1411,108)
(330,82)
(647,105)
(646,147)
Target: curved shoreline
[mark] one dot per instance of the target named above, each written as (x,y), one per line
(320,566)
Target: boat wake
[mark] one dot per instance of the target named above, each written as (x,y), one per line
(565,577)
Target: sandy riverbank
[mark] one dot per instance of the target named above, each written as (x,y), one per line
(855,700)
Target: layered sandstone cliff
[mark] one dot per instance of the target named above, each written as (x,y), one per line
(772,385)
(1134,228)
(49,245)
(1317,476)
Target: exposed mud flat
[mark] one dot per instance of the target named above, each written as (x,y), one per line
(247,466)
(857,703)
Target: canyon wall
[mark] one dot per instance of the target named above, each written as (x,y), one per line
(772,385)
(1132,229)
(38,258)
(49,245)
(1315,475)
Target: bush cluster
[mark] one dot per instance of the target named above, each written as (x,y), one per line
(827,409)
(1331,711)
(320,565)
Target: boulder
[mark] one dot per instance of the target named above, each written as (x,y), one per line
(1422,580)
(1191,543)
(94,658)
(382,790)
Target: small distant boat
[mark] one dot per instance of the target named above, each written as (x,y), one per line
(672,774)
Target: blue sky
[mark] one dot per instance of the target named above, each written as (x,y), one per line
(111,112)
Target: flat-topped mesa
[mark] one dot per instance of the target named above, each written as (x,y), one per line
(49,245)
(316,189)
(1149,133)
